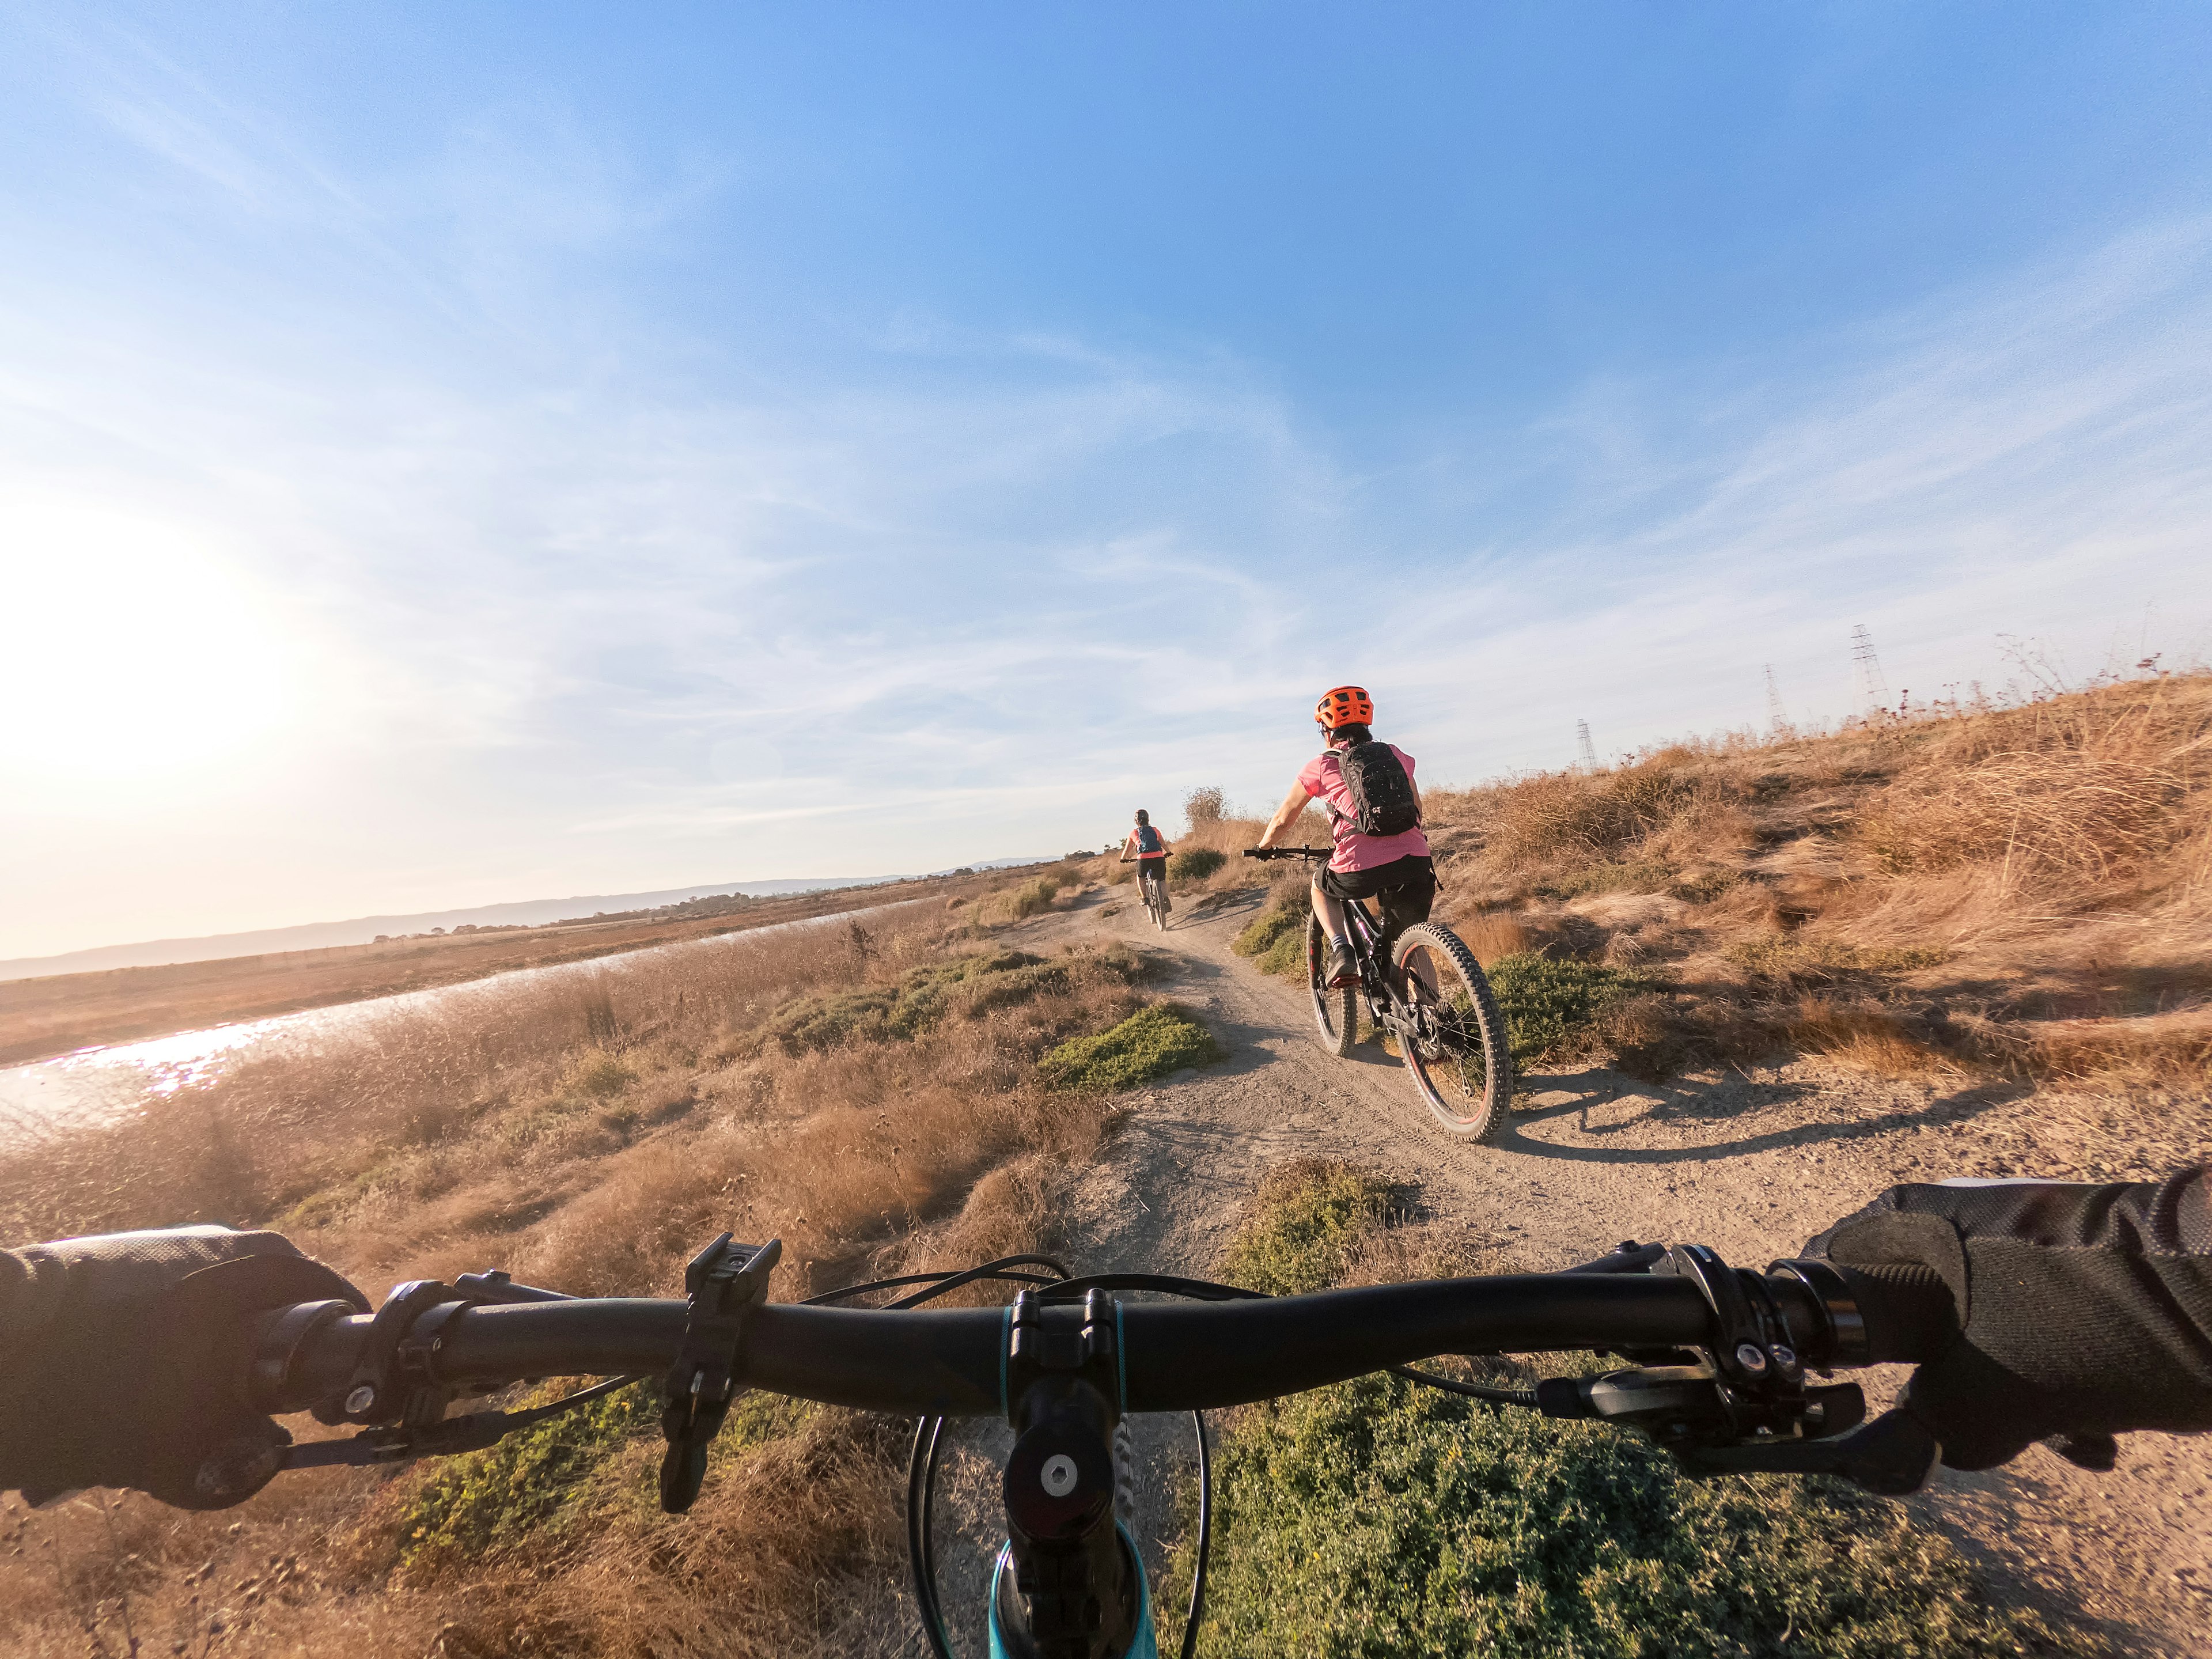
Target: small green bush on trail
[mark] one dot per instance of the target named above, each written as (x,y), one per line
(1260,932)
(1276,937)
(600,1075)
(543,1480)
(1196,865)
(1377,1519)
(994,979)
(530,1481)
(1149,1043)
(1033,896)
(1286,956)
(1306,1218)
(1551,1008)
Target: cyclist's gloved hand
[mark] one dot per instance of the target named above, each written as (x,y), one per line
(2084,1312)
(123,1361)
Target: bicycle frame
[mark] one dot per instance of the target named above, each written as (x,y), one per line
(1146,1644)
(1387,1005)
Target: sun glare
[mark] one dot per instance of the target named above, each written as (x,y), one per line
(127,648)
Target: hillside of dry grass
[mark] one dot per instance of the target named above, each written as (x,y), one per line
(2025,891)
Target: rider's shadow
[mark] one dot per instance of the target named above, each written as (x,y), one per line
(1684,1104)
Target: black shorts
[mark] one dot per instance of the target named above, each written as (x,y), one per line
(1158,867)
(1407,886)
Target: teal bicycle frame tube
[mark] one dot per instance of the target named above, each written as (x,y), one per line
(1145,1645)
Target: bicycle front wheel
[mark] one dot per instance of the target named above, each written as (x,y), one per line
(1456,1053)
(1336,1012)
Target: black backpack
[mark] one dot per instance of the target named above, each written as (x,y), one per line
(1382,794)
(1148,839)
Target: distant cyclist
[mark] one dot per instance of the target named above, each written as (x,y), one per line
(1150,849)
(1374,811)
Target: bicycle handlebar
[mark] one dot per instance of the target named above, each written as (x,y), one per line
(1174,1358)
(1289,852)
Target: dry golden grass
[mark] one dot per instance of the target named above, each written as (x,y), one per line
(589,1133)
(2025,890)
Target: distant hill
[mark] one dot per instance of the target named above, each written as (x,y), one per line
(363,930)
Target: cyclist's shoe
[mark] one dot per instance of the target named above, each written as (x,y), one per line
(1342,970)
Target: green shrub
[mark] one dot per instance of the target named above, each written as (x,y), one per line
(600,1075)
(1196,865)
(543,1480)
(1260,932)
(1377,1519)
(1276,937)
(1796,960)
(1551,1008)
(1033,896)
(973,985)
(1307,1217)
(1149,1043)
(530,1482)
(1286,956)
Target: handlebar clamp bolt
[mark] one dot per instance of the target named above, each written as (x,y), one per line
(1783,1357)
(358,1402)
(1749,1356)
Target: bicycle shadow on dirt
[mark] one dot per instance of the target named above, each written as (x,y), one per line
(1684,1105)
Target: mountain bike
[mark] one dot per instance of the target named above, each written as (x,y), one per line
(1154,893)
(1717,1374)
(1431,998)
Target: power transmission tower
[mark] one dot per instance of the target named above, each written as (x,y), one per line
(1873,689)
(1776,719)
(1588,750)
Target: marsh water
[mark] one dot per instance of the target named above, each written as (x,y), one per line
(99,1085)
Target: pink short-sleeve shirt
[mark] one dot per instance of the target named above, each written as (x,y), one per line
(1323,779)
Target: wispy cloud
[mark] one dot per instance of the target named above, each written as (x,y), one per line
(579,620)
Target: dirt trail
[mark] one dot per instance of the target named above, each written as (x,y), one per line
(1751,1165)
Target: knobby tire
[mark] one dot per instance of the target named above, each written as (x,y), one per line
(1465,1074)
(1336,1010)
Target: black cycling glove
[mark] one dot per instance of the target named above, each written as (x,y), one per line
(2083,1311)
(123,1361)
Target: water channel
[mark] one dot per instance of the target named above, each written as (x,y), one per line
(99,1085)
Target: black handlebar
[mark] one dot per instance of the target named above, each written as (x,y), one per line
(1176,1357)
(1289,852)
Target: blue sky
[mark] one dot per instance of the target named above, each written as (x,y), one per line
(459,454)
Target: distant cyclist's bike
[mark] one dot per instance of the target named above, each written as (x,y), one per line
(1431,997)
(1154,890)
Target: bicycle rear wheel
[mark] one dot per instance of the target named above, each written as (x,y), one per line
(1336,1012)
(1459,1058)
(1156,899)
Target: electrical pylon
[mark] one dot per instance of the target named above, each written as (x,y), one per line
(1776,719)
(1873,689)
(1588,749)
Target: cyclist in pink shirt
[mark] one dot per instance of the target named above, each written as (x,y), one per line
(1150,849)
(1374,810)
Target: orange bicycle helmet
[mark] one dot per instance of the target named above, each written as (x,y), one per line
(1346,705)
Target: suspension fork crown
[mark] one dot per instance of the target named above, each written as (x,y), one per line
(1075,1590)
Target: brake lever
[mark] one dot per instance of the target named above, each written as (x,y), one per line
(1890,1457)
(1743,1406)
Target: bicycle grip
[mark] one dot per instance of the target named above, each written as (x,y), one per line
(1908,1311)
